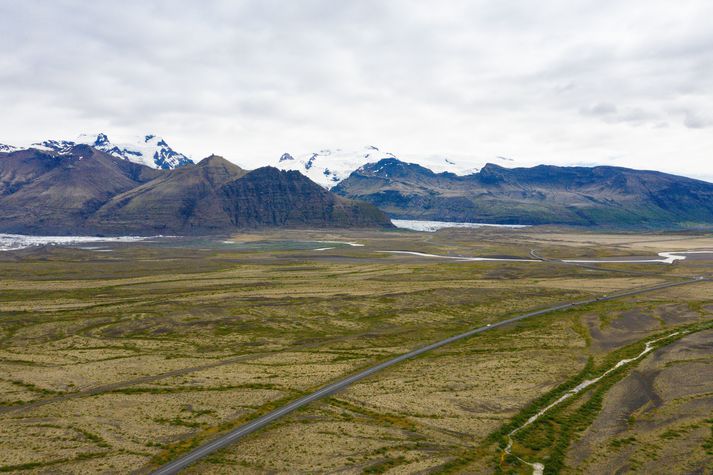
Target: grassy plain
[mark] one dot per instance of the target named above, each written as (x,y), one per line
(118,361)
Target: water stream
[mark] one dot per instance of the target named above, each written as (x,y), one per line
(664,258)
(539,468)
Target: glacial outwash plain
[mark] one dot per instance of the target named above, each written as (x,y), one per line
(125,357)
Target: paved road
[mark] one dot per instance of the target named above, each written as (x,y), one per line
(236,434)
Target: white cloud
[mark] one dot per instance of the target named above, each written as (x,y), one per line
(561,82)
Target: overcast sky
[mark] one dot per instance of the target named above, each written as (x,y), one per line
(625,83)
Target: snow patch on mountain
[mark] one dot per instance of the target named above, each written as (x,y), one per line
(7,148)
(328,167)
(59,146)
(149,150)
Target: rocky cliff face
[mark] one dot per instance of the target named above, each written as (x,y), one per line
(608,196)
(268,196)
(83,190)
(180,201)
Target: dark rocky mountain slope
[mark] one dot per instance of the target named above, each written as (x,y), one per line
(86,191)
(181,200)
(268,196)
(45,193)
(608,196)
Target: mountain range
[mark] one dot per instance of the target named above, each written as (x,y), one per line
(326,167)
(589,196)
(93,185)
(81,189)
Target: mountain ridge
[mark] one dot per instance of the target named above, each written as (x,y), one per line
(87,191)
(544,194)
(113,191)
(55,192)
(149,150)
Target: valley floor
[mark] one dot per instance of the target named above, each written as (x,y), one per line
(121,358)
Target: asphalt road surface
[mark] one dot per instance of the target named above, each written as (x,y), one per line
(236,434)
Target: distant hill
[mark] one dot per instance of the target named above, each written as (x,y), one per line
(82,190)
(607,196)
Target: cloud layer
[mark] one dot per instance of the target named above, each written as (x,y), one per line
(561,82)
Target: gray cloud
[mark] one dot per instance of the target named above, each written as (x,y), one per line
(553,81)
(694,120)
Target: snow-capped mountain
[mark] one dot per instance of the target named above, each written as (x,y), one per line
(330,166)
(7,148)
(148,150)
